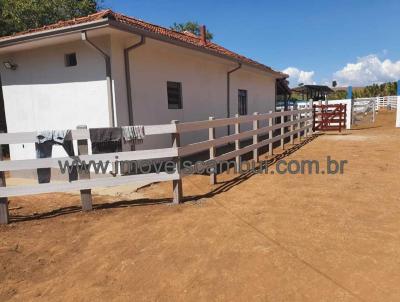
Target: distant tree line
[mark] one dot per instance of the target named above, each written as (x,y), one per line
(389,88)
(373,90)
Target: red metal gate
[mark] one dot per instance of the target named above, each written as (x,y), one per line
(329,117)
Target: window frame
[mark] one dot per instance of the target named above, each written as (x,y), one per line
(67,60)
(179,104)
(242,97)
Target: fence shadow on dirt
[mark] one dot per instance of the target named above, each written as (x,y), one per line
(229,184)
(221,187)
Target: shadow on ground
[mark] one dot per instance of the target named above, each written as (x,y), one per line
(221,188)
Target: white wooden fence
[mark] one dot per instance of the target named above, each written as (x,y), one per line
(386,102)
(360,106)
(293,124)
(381,102)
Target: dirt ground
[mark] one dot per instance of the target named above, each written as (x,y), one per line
(250,238)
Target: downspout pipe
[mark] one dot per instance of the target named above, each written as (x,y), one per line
(228,93)
(128,77)
(107,61)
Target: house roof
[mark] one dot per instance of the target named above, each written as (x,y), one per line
(116,19)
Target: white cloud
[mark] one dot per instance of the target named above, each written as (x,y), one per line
(297,76)
(368,70)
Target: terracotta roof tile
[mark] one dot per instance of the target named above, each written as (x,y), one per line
(93,17)
(162,31)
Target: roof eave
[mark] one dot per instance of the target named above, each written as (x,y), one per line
(53,32)
(13,40)
(149,34)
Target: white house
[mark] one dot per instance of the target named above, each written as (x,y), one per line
(108,69)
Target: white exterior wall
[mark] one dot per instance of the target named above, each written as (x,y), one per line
(43,94)
(204,88)
(260,93)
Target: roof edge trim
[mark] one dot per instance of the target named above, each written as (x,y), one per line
(151,35)
(53,32)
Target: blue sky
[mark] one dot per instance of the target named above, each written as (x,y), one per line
(318,39)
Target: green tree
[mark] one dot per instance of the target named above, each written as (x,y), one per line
(337,95)
(21,15)
(192,27)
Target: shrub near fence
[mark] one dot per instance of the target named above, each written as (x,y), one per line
(292,124)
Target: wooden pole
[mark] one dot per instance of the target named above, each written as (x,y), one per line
(282,130)
(237,143)
(256,125)
(310,115)
(299,127)
(84,173)
(211,136)
(314,117)
(270,123)
(177,184)
(306,123)
(291,128)
(4,213)
(373,112)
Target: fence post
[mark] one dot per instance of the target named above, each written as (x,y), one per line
(177,184)
(4,213)
(84,173)
(299,127)
(237,143)
(291,127)
(373,112)
(342,107)
(306,123)
(211,136)
(310,115)
(270,147)
(255,137)
(282,130)
(353,116)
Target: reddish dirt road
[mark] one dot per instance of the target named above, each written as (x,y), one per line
(251,238)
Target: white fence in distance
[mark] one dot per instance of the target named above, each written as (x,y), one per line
(362,105)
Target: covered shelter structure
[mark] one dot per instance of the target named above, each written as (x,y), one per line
(315,92)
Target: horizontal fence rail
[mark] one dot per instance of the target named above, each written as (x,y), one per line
(31,137)
(386,102)
(200,125)
(25,164)
(292,123)
(201,146)
(84,184)
(381,102)
(279,126)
